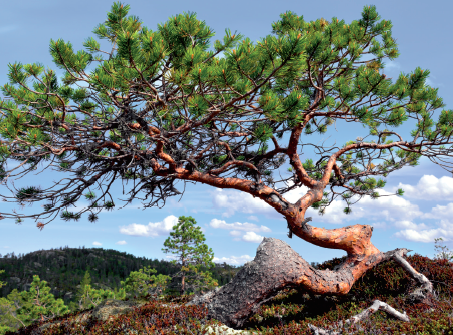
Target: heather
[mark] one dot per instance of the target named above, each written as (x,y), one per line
(291,311)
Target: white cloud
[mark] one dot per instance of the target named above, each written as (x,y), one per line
(97,243)
(252,217)
(440,212)
(252,237)
(237,230)
(388,207)
(235,201)
(121,242)
(295,194)
(410,225)
(425,236)
(233,260)
(238,226)
(447,225)
(152,229)
(249,236)
(429,187)
(422,232)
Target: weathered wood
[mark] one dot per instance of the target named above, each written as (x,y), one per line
(277,266)
(377,305)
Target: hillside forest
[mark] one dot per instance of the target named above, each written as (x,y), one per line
(64,268)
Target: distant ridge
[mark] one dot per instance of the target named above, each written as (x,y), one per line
(63,269)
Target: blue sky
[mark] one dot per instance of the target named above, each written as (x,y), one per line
(234,222)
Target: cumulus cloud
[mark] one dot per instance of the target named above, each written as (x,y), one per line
(97,243)
(429,187)
(388,207)
(249,236)
(121,242)
(253,218)
(233,260)
(444,230)
(237,230)
(410,225)
(425,236)
(440,212)
(237,201)
(220,224)
(240,200)
(252,237)
(151,229)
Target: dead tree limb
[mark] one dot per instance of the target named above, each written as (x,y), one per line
(377,305)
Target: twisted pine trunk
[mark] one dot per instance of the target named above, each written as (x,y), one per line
(275,267)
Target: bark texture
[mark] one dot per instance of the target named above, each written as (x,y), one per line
(277,266)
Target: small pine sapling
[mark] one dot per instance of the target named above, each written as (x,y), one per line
(186,242)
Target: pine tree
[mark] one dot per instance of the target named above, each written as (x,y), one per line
(186,242)
(2,283)
(83,289)
(9,319)
(40,304)
(93,297)
(143,282)
(162,106)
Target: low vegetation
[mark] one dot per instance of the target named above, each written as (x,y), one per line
(292,311)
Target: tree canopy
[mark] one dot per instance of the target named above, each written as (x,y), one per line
(174,104)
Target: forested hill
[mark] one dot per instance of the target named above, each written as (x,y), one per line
(64,268)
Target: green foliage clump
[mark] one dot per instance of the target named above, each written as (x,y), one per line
(143,282)
(39,304)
